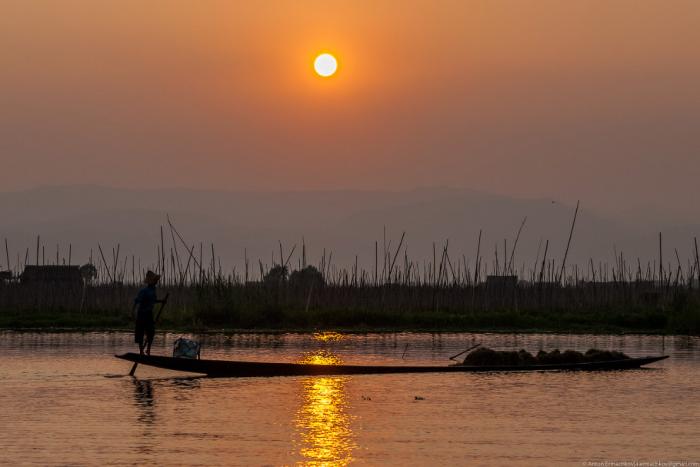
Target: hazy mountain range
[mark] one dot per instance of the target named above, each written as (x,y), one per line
(345,222)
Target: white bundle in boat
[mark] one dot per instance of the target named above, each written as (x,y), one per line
(186,348)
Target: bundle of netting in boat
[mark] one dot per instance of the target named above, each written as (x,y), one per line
(488,357)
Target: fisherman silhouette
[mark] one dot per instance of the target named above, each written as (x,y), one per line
(143,305)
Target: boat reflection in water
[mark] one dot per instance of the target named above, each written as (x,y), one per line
(323,421)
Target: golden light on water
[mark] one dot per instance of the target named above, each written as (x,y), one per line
(323,421)
(320,357)
(328,336)
(324,424)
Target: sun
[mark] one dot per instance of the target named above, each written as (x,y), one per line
(325,65)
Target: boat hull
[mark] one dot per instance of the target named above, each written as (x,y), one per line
(226,368)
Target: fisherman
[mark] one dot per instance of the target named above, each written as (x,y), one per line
(143,306)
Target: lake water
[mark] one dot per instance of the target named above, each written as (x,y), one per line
(63,403)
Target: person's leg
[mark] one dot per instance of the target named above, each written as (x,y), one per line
(150,335)
(138,336)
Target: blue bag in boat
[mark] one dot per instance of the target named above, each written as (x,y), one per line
(186,348)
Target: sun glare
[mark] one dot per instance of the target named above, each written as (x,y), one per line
(325,65)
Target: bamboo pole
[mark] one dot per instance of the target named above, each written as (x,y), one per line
(162,253)
(286,263)
(477,264)
(568,243)
(7,255)
(537,260)
(391,268)
(544,261)
(105,262)
(661,261)
(376,260)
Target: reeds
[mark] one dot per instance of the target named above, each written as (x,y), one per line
(396,287)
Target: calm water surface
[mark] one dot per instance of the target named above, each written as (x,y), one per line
(63,402)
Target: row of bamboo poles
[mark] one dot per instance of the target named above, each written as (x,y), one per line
(182,264)
(195,277)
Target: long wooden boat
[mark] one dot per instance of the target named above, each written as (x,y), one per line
(226,368)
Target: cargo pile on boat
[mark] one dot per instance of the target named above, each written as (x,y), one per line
(488,357)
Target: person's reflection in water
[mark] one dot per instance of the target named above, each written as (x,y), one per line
(145,403)
(323,422)
(143,399)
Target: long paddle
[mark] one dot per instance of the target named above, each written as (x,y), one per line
(465,351)
(148,342)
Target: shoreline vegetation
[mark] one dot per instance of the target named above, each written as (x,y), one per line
(625,308)
(396,294)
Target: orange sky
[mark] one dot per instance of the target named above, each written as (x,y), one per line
(597,100)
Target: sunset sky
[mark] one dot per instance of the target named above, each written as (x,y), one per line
(595,100)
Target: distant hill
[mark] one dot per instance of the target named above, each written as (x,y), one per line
(345,222)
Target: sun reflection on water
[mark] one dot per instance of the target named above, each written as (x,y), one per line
(323,421)
(320,357)
(328,336)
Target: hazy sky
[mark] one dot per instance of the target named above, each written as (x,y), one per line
(597,100)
